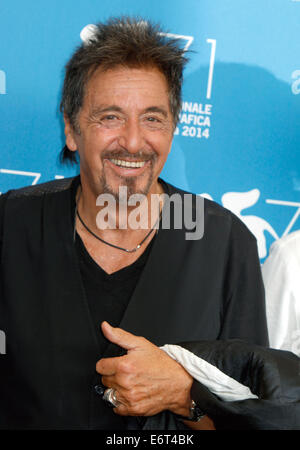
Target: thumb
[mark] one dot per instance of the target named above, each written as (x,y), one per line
(120,337)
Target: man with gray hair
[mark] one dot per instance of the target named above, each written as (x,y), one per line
(62,275)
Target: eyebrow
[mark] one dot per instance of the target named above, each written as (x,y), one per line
(157,109)
(100,109)
(152,109)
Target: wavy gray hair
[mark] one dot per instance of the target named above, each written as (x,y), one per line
(126,41)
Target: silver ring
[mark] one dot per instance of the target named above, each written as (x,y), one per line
(110,397)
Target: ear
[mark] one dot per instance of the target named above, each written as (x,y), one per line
(69,133)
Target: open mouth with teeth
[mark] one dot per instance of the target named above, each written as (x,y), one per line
(128,164)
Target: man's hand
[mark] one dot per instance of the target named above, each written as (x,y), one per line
(147,380)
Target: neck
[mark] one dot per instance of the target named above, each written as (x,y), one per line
(107,217)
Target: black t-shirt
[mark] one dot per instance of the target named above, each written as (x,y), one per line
(108,295)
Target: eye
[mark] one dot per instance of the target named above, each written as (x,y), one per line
(109,117)
(154,122)
(152,119)
(111,121)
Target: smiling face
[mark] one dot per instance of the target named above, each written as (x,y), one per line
(126,131)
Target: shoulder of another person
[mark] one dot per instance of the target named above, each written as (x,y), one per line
(284,254)
(287,244)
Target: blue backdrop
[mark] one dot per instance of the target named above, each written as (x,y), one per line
(238,139)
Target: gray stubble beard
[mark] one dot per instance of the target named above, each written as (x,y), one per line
(129,183)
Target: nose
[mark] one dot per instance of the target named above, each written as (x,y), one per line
(131,137)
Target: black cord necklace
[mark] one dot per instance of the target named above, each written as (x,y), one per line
(113,245)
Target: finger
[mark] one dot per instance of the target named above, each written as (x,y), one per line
(108,382)
(121,402)
(108,366)
(120,337)
(121,410)
(126,409)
